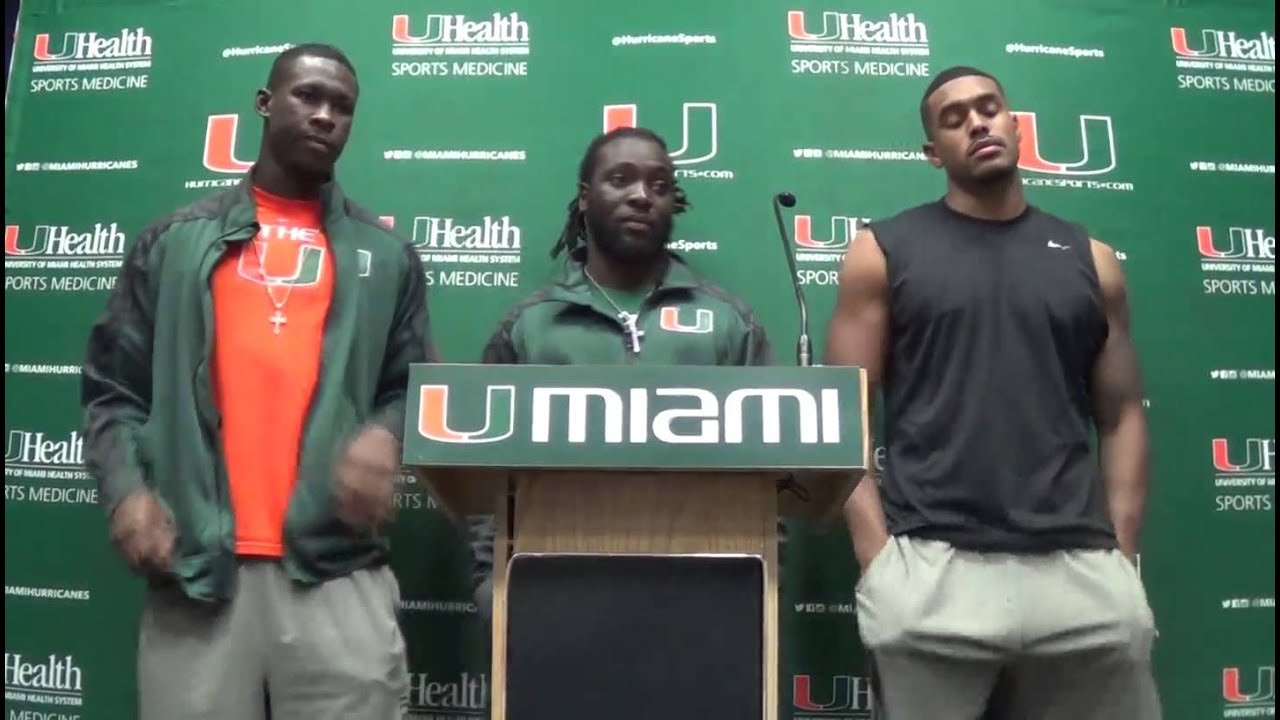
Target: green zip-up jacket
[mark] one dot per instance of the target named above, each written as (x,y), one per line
(150,415)
(686,320)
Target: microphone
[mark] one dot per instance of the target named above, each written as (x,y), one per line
(804,349)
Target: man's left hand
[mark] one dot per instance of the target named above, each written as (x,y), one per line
(365,479)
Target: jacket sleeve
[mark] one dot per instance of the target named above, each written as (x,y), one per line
(409,342)
(500,349)
(753,347)
(115,384)
(482,528)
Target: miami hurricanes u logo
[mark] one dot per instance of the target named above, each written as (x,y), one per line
(698,130)
(308,265)
(1233,687)
(13,242)
(1178,37)
(1097,147)
(499,415)
(669,320)
(220,145)
(842,231)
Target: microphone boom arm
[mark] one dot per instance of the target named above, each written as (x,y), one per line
(804,348)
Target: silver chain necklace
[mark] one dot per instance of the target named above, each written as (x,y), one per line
(629,320)
(278,317)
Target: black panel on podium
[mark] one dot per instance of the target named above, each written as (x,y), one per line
(635,637)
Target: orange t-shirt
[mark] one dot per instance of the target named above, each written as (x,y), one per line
(269,324)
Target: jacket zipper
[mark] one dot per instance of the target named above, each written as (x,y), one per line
(210,416)
(326,341)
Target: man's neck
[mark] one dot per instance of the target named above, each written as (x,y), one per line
(624,276)
(995,201)
(270,176)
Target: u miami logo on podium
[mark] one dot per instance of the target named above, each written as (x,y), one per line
(648,417)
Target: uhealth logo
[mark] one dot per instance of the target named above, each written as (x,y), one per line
(442,39)
(857,34)
(62,242)
(1228,46)
(815,243)
(70,258)
(88,50)
(847,696)
(1253,696)
(460,35)
(1244,474)
(1225,256)
(1224,60)
(1258,457)
(699,135)
(855,44)
(78,54)
(843,228)
(1240,249)
(488,240)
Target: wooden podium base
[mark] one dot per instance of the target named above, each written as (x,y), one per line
(712,535)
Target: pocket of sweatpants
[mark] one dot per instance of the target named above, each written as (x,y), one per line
(1145,629)
(391,584)
(876,561)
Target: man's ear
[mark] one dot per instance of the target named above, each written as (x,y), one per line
(583,190)
(931,154)
(261,101)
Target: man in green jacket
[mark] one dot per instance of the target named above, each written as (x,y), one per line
(244,394)
(623,298)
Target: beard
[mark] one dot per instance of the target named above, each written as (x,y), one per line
(628,246)
(988,177)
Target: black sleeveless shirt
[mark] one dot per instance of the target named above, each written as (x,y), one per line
(995,327)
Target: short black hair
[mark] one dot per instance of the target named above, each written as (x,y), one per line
(944,77)
(319,50)
(574,233)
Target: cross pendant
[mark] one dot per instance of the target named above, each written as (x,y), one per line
(278,319)
(629,320)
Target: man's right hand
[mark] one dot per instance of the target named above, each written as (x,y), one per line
(144,532)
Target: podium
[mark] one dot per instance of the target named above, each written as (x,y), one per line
(637,510)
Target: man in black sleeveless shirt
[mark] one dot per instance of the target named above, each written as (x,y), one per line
(997,549)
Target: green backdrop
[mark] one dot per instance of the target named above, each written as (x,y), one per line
(1152,124)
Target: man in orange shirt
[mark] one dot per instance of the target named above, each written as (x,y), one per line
(244,393)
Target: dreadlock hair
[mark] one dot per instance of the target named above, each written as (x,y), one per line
(574,234)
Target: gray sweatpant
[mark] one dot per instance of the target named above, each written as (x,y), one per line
(322,653)
(965,635)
